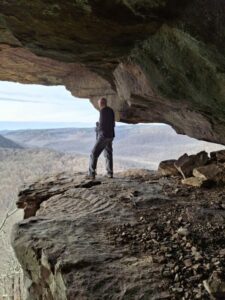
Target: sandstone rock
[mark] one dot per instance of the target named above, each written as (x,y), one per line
(188,262)
(216,285)
(198,256)
(194,181)
(86,237)
(68,243)
(167,168)
(185,164)
(222,252)
(218,155)
(183,231)
(48,187)
(211,172)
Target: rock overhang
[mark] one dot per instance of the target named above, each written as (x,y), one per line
(156,61)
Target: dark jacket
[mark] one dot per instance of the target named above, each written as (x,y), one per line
(106,123)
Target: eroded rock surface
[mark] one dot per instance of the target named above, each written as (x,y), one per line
(186,163)
(167,168)
(197,170)
(156,61)
(137,236)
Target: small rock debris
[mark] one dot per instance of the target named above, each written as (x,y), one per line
(186,239)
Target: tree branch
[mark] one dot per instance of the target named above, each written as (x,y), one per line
(9,214)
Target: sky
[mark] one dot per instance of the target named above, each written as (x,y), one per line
(31,106)
(37,103)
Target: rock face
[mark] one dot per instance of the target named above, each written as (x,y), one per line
(156,61)
(218,156)
(167,168)
(136,236)
(198,170)
(211,172)
(194,181)
(186,163)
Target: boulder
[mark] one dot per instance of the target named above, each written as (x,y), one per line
(185,164)
(212,172)
(218,155)
(215,286)
(167,168)
(194,181)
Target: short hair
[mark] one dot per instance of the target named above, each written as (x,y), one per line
(103,101)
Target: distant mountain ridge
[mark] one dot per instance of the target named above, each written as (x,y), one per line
(145,145)
(7,125)
(7,143)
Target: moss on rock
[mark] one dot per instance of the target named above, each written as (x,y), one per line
(180,67)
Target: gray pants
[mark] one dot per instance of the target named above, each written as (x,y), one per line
(100,145)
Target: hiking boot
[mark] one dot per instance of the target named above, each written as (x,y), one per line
(90,176)
(109,175)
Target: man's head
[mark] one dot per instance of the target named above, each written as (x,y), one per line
(102,102)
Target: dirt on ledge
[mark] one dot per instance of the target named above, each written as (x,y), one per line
(137,236)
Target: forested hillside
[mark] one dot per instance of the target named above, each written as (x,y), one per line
(145,145)
(7,143)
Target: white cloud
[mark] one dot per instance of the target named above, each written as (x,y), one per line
(36,103)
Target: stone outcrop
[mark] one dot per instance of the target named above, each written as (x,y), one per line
(156,61)
(167,168)
(218,156)
(186,163)
(30,203)
(136,236)
(215,286)
(212,172)
(198,170)
(195,181)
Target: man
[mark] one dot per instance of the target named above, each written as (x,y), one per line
(105,136)
(96,129)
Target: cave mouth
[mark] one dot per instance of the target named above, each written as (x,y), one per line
(31,106)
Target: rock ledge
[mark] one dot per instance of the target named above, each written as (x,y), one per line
(133,237)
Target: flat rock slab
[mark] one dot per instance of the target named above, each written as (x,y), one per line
(194,181)
(118,238)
